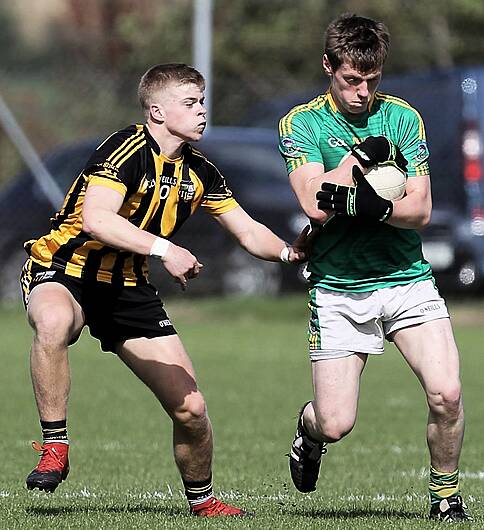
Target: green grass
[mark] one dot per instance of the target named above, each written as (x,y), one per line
(250,355)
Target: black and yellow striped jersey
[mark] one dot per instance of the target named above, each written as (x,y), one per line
(159,196)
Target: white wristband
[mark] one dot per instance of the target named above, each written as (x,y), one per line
(285,255)
(159,247)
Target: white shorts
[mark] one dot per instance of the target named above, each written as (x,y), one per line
(342,323)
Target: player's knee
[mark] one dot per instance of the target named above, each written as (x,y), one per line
(52,327)
(192,414)
(335,429)
(447,402)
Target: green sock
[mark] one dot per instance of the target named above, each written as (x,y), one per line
(442,485)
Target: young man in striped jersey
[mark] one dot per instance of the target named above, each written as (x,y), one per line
(134,193)
(369,278)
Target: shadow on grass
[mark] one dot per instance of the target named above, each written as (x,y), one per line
(169,511)
(353,514)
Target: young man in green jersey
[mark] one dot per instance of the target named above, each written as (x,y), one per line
(369,278)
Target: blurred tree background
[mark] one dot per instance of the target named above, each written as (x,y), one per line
(69,68)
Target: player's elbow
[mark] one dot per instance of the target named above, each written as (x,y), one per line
(422,218)
(425,220)
(89,227)
(92,223)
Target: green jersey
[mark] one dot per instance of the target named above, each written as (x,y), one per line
(354,254)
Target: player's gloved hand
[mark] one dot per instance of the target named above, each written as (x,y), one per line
(376,150)
(360,200)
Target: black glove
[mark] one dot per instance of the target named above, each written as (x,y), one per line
(360,200)
(376,150)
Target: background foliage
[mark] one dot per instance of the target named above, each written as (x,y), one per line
(73,72)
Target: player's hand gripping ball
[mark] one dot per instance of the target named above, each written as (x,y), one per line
(354,201)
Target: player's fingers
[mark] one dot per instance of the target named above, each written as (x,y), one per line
(329,186)
(324,195)
(193,272)
(334,203)
(325,205)
(327,199)
(182,281)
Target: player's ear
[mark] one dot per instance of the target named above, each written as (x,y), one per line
(156,113)
(327,68)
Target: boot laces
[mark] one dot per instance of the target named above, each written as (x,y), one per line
(51,459)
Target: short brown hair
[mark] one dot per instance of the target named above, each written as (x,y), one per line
(360,41)
(160,75)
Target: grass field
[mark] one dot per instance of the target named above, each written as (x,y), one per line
(250,355)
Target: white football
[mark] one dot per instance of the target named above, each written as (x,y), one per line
(388,180)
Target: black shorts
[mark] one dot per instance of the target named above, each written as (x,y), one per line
(113,313)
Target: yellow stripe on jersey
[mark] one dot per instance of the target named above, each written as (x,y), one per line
(404,104)
(331,102)
(116,185)
(128,154)
(47,246)
(423,169)
(220,207)
(74,269)
(155,199)
(285,124)
(79,257)
(128,272)
(294,164)
(129,207)
(114,156)
(105,269)
(168,219)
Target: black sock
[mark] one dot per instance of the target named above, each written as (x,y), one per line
(54,431)
(198,492)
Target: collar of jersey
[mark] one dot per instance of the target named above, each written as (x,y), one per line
(334,107)
(156,148)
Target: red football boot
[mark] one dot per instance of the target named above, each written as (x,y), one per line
(53,466)
(215,508)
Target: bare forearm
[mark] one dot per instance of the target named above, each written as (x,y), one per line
(261,242)
(116,231)
(411,212)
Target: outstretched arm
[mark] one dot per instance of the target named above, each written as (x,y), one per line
(258,240)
